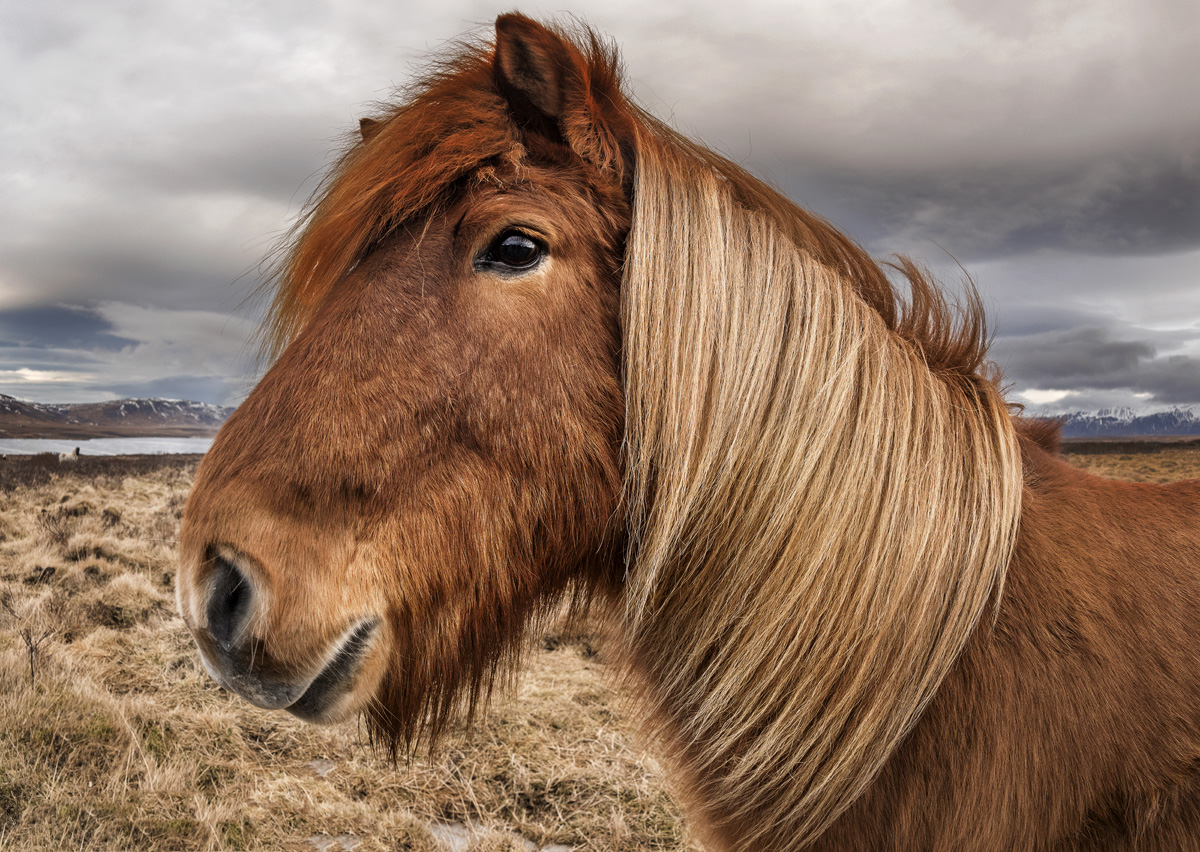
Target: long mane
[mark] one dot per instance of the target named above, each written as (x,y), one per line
(823,489)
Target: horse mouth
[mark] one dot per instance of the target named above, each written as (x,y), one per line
(322,699)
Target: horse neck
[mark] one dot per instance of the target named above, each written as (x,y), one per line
(817,520)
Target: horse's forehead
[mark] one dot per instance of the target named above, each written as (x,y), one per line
(527,180)
(551,189)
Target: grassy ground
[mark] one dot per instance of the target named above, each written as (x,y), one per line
(1137,461)
(112,737)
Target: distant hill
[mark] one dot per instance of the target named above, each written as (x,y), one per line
(118,418)
(176,418)
(1126,423)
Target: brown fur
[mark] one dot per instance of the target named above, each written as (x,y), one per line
(862,607)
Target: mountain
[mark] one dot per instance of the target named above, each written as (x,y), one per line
(117,418)
(1126,423)
(128,418)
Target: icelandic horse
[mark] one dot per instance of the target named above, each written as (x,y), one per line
(532,344)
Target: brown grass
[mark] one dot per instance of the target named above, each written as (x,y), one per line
(1137,461)
(119,740)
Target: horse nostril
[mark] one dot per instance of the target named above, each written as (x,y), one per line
(228,603)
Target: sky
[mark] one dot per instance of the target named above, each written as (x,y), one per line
(154,151)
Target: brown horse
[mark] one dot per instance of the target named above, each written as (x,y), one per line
(533,344)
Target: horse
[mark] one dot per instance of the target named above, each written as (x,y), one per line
(532,345)
(72,456)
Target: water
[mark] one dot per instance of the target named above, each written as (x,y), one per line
(104,446)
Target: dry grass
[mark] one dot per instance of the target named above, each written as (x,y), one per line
(1137,461)
(112,737)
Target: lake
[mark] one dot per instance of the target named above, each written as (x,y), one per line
(104,446)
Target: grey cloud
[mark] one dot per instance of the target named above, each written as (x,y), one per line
(151,273)
(1081,355)
(180,251)
(54,326)
(204,355)
(50,360)
(1118,292)
(993,133)
(1023,319)
(1136,203)
(935,86)
(1090,400)
(245,153)
(32,33)
(1094,359)
(1175,379)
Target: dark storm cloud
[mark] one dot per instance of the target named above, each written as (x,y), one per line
(1134,203)
(1094,359)
(1022,319)
(1084,355)
(58,327)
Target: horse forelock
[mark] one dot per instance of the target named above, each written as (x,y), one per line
(452,122)
(823,487)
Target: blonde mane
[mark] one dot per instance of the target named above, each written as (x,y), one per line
(823,492)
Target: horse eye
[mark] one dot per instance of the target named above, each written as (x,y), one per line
(513,250)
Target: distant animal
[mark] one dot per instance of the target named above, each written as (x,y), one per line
(69,457)
(532,343)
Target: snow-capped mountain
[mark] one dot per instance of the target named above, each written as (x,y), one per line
(21,418)
(1125,422)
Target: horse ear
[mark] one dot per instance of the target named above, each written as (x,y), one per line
(368,127)
(535,64)
(549,85)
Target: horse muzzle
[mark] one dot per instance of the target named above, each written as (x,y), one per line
(234,647)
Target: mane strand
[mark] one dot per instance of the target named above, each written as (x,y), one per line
(823,489)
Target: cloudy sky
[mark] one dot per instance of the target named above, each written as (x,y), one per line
(153,151)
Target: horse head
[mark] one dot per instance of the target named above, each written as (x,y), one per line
(432,460)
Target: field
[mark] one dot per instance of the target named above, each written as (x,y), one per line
(112,737)
(1137,461)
